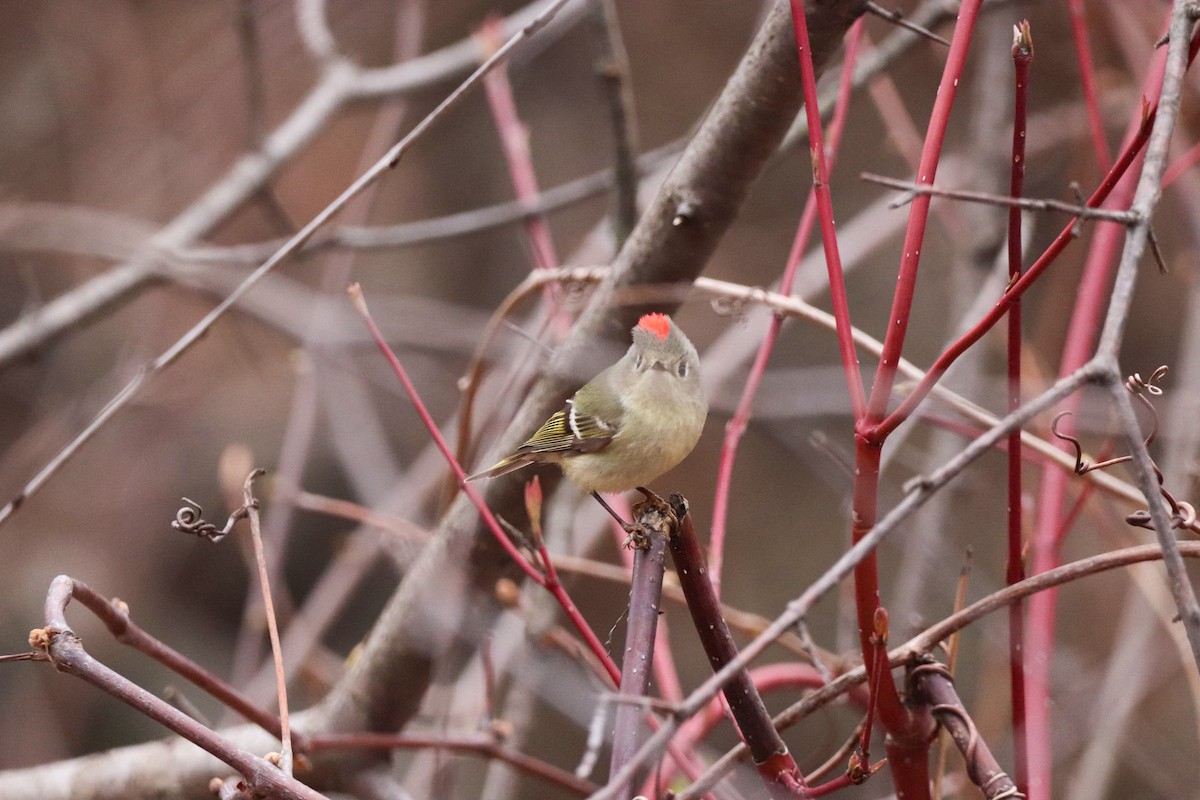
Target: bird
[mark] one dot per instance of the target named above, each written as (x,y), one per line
(628,425)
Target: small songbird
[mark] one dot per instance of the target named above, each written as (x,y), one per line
(629,424)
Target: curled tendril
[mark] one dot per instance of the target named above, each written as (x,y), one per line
(1139,387)
(1082,465)
(189,519)
(1183,514)
(1135,383)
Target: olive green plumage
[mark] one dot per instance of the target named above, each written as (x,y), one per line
(628,425)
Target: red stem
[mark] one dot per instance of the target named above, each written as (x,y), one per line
(514,136)
(1087,80)
(593,642)
(741,416)
(833,259)
(1014,292)
(908,745)
(910,259)
(1135,142)
(1022,53)
(866,581)
(1049,530)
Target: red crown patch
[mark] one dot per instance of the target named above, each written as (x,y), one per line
(657,324)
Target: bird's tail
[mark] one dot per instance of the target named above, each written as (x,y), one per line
(502,467)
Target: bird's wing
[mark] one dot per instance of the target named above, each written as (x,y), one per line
(570,431)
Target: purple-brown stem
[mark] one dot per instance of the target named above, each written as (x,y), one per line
(1022,53)
(770,754)
(645,604)
(930,684)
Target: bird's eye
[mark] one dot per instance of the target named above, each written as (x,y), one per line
(682,369)
(638,364)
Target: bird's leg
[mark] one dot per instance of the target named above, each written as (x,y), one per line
(626,526)
(637,533)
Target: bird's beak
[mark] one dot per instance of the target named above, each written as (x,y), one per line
(659,366)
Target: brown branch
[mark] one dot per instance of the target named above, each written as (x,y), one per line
(930,684)
(613,69)
(67,654)
(198,331)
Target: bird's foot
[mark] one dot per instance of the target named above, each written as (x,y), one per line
(653,510)
(638,537)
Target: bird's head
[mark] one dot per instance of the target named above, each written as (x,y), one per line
(660,347)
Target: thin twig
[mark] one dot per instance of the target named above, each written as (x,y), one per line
(896,18)
(1179,51)
(264,581)
(340,83)
(67,654)
(201,328)
(1028,203)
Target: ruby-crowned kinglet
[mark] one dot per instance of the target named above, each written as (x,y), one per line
(629,424)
